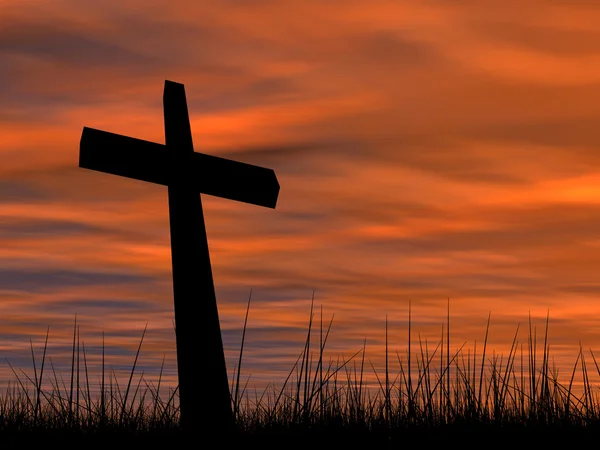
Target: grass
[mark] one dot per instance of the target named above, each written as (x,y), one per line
(436,391)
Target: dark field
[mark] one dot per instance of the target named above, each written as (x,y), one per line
(438,398)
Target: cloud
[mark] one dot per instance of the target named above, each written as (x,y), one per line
(44,279)
(87,306)
(424,151)
(71,184)
(20,190)
(544,38)
(24,229)
(577,134)
(56,64)
(65,44)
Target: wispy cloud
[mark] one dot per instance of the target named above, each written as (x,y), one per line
(425,151)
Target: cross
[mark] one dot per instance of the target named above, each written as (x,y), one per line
(204,397)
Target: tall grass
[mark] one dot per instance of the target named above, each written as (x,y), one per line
(464,390)
(435,388)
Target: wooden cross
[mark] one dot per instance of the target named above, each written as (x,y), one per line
(205,400)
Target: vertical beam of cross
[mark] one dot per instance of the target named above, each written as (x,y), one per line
(205,401)
(203,386)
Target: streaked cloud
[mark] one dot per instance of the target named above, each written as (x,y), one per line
(426,151)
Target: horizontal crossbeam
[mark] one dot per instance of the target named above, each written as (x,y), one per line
(155,163)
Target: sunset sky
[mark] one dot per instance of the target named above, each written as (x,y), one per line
(427,152)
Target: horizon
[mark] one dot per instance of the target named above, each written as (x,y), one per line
(425,152)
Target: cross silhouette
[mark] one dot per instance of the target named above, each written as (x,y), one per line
(204,395)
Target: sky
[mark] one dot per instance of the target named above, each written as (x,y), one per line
(442,155)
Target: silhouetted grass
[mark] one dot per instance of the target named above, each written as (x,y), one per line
(436,393)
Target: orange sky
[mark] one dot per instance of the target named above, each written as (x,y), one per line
(425,151)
